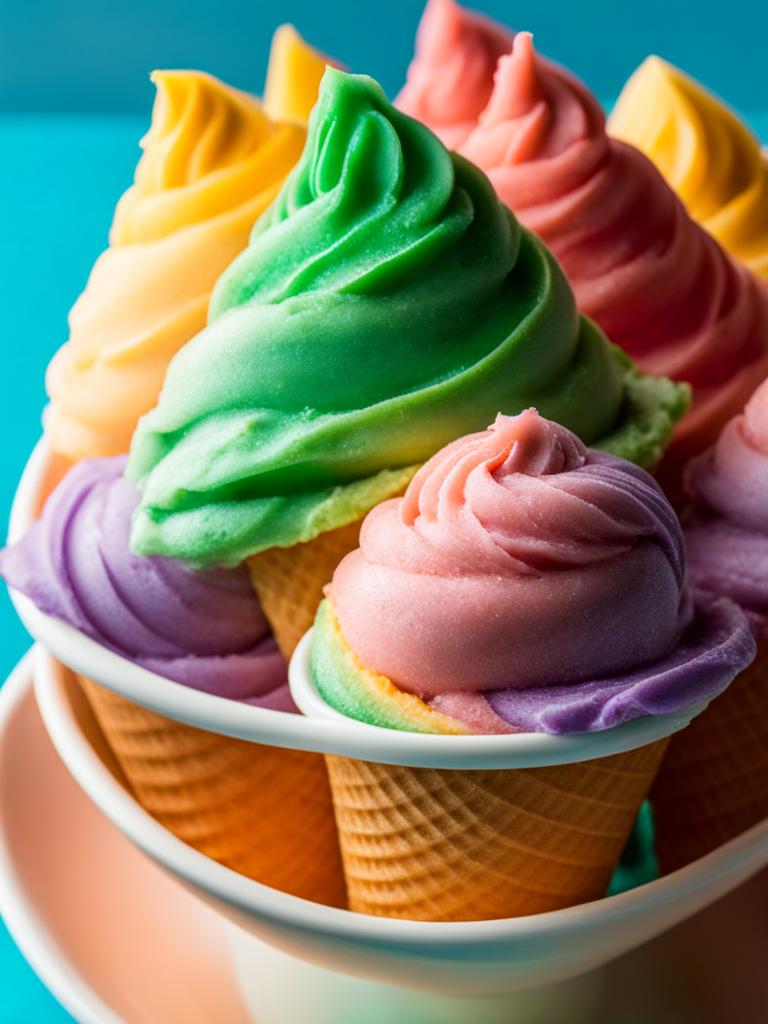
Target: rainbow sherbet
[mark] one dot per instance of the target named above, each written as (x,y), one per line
(493,597)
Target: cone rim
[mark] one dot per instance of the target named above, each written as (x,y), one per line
(470,752)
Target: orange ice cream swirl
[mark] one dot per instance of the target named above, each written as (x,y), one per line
(212,162)
(706,153)
(657,284)
(293,77)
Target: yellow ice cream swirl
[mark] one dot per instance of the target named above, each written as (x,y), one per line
(293,77)
(212,163)
(704,151)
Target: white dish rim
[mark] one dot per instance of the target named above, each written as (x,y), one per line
(327,734)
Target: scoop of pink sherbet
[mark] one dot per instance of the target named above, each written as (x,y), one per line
(726,530)
(507,565)
(654,280)
(451,76)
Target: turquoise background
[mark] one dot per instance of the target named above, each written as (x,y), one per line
(95,55)
(74,101)
(57,205)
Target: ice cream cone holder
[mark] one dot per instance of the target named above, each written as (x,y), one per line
(292,954)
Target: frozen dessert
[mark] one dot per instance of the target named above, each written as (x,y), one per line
(293,77)
(714,781)
(493,598)
(206,631)
(212,163)
(386,304)
(706,153)
(656,282)
(444,619)
(450,79)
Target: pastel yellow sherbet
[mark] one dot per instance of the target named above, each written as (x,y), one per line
(212,162)
(704,151)
(293,77)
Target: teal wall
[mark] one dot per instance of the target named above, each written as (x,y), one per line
(94,55)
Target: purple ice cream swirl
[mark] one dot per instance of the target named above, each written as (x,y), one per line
(203,629)
(726,525)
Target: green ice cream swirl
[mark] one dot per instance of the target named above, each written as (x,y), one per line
(387,303)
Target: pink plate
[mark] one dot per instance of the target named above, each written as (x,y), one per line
(66,879)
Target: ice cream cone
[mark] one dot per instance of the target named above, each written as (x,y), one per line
(454,845)
(262,811)
(289,581)
(713,782)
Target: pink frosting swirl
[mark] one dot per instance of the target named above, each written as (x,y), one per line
(655,281)
(732,477)
(450,78)
(726,530)
(507,565)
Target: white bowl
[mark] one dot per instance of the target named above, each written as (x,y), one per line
(118,941)
(91,945)
(326,731)
(461,958)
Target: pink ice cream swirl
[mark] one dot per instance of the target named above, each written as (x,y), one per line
(540,579)
(451,77)
(655,281)
(726,528)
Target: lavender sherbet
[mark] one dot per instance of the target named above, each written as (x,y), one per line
(203,629)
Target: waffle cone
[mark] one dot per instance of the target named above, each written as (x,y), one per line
(289,581)
(262,811)
(713,782)
(455,845)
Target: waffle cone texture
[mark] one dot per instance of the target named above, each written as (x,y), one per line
(289,581)
(455,845)
(263,811)
(713,782)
